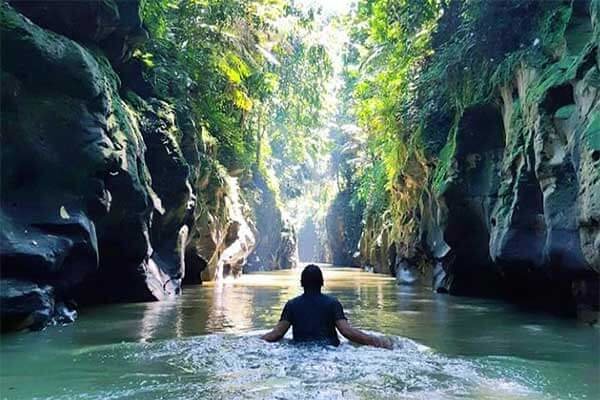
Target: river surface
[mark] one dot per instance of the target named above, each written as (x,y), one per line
(204,345)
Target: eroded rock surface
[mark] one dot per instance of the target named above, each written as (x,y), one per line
(343,225)
(513,206)
(108,193)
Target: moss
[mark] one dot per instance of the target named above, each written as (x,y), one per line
(215,175)
(273,186)
(479,81)
(136,101)
(475,79)
(124,131)
(552,29)
(443,166)
(555,75)
(591,133)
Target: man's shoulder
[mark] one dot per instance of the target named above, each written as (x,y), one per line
(295,300)
(324,298)
(330,299)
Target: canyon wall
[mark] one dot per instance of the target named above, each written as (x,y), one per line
(107,192)
(508,203)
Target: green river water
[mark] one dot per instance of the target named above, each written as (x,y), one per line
(204,345)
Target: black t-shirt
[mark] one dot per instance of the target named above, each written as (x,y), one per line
(313,316)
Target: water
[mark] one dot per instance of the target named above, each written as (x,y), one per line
(205,345)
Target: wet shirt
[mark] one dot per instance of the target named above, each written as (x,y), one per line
(313,316)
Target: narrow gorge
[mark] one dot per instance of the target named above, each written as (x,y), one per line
(475,169)
(170,169)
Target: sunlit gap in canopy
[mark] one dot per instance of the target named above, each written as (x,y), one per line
(329,7)
(308,211)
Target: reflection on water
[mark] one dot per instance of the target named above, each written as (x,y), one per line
(205,345)
(229,313)
(154,314)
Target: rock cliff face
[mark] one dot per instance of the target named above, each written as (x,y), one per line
(277,245)
(107,193)
(513,206)
(343,230)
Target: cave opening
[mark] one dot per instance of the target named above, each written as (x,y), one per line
(479,149)
(558,97)
(481,129)
(194,265)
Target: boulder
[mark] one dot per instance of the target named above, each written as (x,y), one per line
(25,305)
(287,253)
(62,252)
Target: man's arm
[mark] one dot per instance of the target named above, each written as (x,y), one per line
(277,333)
(358,336)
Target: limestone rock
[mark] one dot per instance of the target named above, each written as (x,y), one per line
(25,305)
(76,194)
(512,207)
(115,25)
(277,245)
(108,193)
(343,229)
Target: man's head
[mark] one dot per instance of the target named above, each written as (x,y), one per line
(312,278)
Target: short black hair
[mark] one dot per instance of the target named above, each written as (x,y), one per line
(312,277)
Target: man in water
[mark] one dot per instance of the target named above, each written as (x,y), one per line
(315,316)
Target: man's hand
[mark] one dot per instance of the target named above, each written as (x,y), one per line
(358,336)
(276,333)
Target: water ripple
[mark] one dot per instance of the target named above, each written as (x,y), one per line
(244,367)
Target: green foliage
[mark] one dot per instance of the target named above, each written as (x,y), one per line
(297,106)
(250,72)
(255,75)
(413,69)
(201,53)
(291,119)
(393,37)
(370,190)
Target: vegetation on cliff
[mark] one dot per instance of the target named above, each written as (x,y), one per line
(252,74)
(478,119)
(140,148)
(418,66)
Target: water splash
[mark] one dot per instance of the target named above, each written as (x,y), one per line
(244,367)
